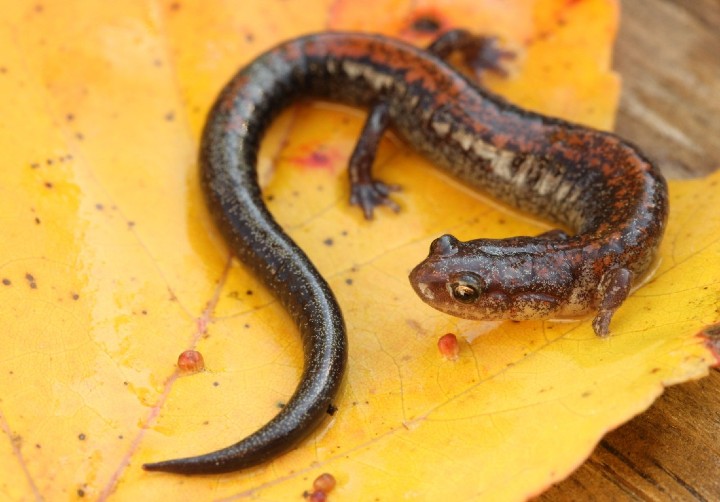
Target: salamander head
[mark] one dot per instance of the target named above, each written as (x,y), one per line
(482,279)
(457,284)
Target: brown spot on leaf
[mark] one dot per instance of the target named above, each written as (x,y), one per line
(426,23)
(31,281)
(711,335)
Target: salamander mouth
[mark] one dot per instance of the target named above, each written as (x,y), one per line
(424,290)
(431,286)
(424,281)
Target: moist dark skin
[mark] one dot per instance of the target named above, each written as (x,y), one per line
(592,182)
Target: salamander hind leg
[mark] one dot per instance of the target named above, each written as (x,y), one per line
(614,288)
(365,191)
(480,53)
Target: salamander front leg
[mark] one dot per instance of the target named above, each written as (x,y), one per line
(365,191)
(481,53)
(614,288)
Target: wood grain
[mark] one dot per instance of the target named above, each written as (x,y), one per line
(668,53)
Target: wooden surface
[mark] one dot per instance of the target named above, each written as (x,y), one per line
(668,53)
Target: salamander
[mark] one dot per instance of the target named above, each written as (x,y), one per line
(593,183)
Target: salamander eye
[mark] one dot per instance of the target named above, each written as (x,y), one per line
(467,288)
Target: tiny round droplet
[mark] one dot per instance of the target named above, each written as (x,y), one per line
(191,361)
(448,346)
(325,482)
(317,496)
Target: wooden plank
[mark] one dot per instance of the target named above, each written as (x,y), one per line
(668,53)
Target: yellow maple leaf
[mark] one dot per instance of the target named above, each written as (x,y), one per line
(111,267)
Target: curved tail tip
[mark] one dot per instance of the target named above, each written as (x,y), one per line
(166,466)
(193,466)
